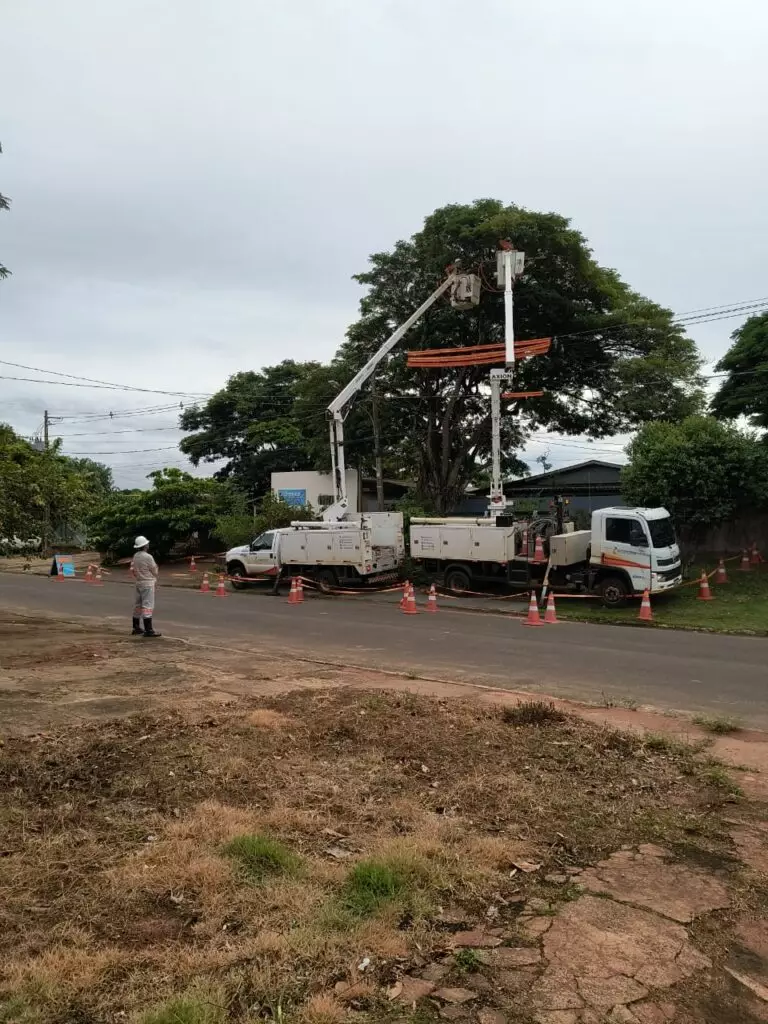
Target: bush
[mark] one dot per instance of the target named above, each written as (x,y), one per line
(533,712)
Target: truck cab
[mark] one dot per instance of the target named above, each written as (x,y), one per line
(259,558)
(632,550)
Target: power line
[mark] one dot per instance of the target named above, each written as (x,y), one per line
(101,383)
(103,387)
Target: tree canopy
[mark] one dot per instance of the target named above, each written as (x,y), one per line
(745,391)
(618,360)
(252,424)
(703,471)
(39,486)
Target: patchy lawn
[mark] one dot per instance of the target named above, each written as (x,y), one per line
(739,606)
(331,855)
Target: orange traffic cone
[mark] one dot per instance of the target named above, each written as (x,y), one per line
(404,598)
(755,558)
(550,615)
(646,612)
(205,586)
(721,576)
(220,588)
(744,565)
(89,574)
(293,597)
(432,599)
(409,608)
(704,594)
(97,580)
(538,551)
(300,589)
(534,619)
(192,566)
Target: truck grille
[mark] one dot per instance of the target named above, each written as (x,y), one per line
(667,561)
(670,574)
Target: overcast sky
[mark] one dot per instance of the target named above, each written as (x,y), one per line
(194,183)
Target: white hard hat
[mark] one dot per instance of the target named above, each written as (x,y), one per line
(141,542)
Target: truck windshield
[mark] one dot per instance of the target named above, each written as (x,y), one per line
(662,532)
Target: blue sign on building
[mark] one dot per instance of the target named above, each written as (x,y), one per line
(293,496)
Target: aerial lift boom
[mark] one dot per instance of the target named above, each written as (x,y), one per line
(339,407)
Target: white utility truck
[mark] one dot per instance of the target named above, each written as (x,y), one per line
(361,549)
(627,551)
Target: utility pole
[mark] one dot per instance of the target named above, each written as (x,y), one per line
(379,462)
(46,538)
(509,265)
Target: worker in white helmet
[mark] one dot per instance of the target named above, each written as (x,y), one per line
(144,570)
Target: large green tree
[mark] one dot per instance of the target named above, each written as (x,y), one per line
(703,471)
(5,204)
(745,391)
(251,424)
(42,489)
(618,359)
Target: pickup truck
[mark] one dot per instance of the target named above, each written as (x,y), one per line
(363,549)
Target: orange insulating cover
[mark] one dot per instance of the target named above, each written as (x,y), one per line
(476,355)
(522,394)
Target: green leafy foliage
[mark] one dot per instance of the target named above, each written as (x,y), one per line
(238,527)
(176,507)
(252,424)
(624,361)
(35,485)
(703,471)
(745,392)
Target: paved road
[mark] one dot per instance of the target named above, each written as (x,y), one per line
(672,670)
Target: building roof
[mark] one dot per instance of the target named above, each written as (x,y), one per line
(576,467)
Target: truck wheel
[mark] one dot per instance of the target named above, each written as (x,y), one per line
(325,579)
(457,579)
(613,590)
(236,569)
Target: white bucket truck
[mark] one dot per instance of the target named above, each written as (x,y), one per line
(627,551)
(357,551)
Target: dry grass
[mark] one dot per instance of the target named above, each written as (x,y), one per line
(117,895)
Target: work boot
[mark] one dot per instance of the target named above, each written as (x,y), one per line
(148,631)
(137,630)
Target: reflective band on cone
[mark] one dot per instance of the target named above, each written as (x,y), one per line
(221,590)
(409,608)
(192,566)
(432,599)
(404,598)
(704,594)
(205,586)
(534,619)
(721,576)
(646,613)
(538,551)
(550,615)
